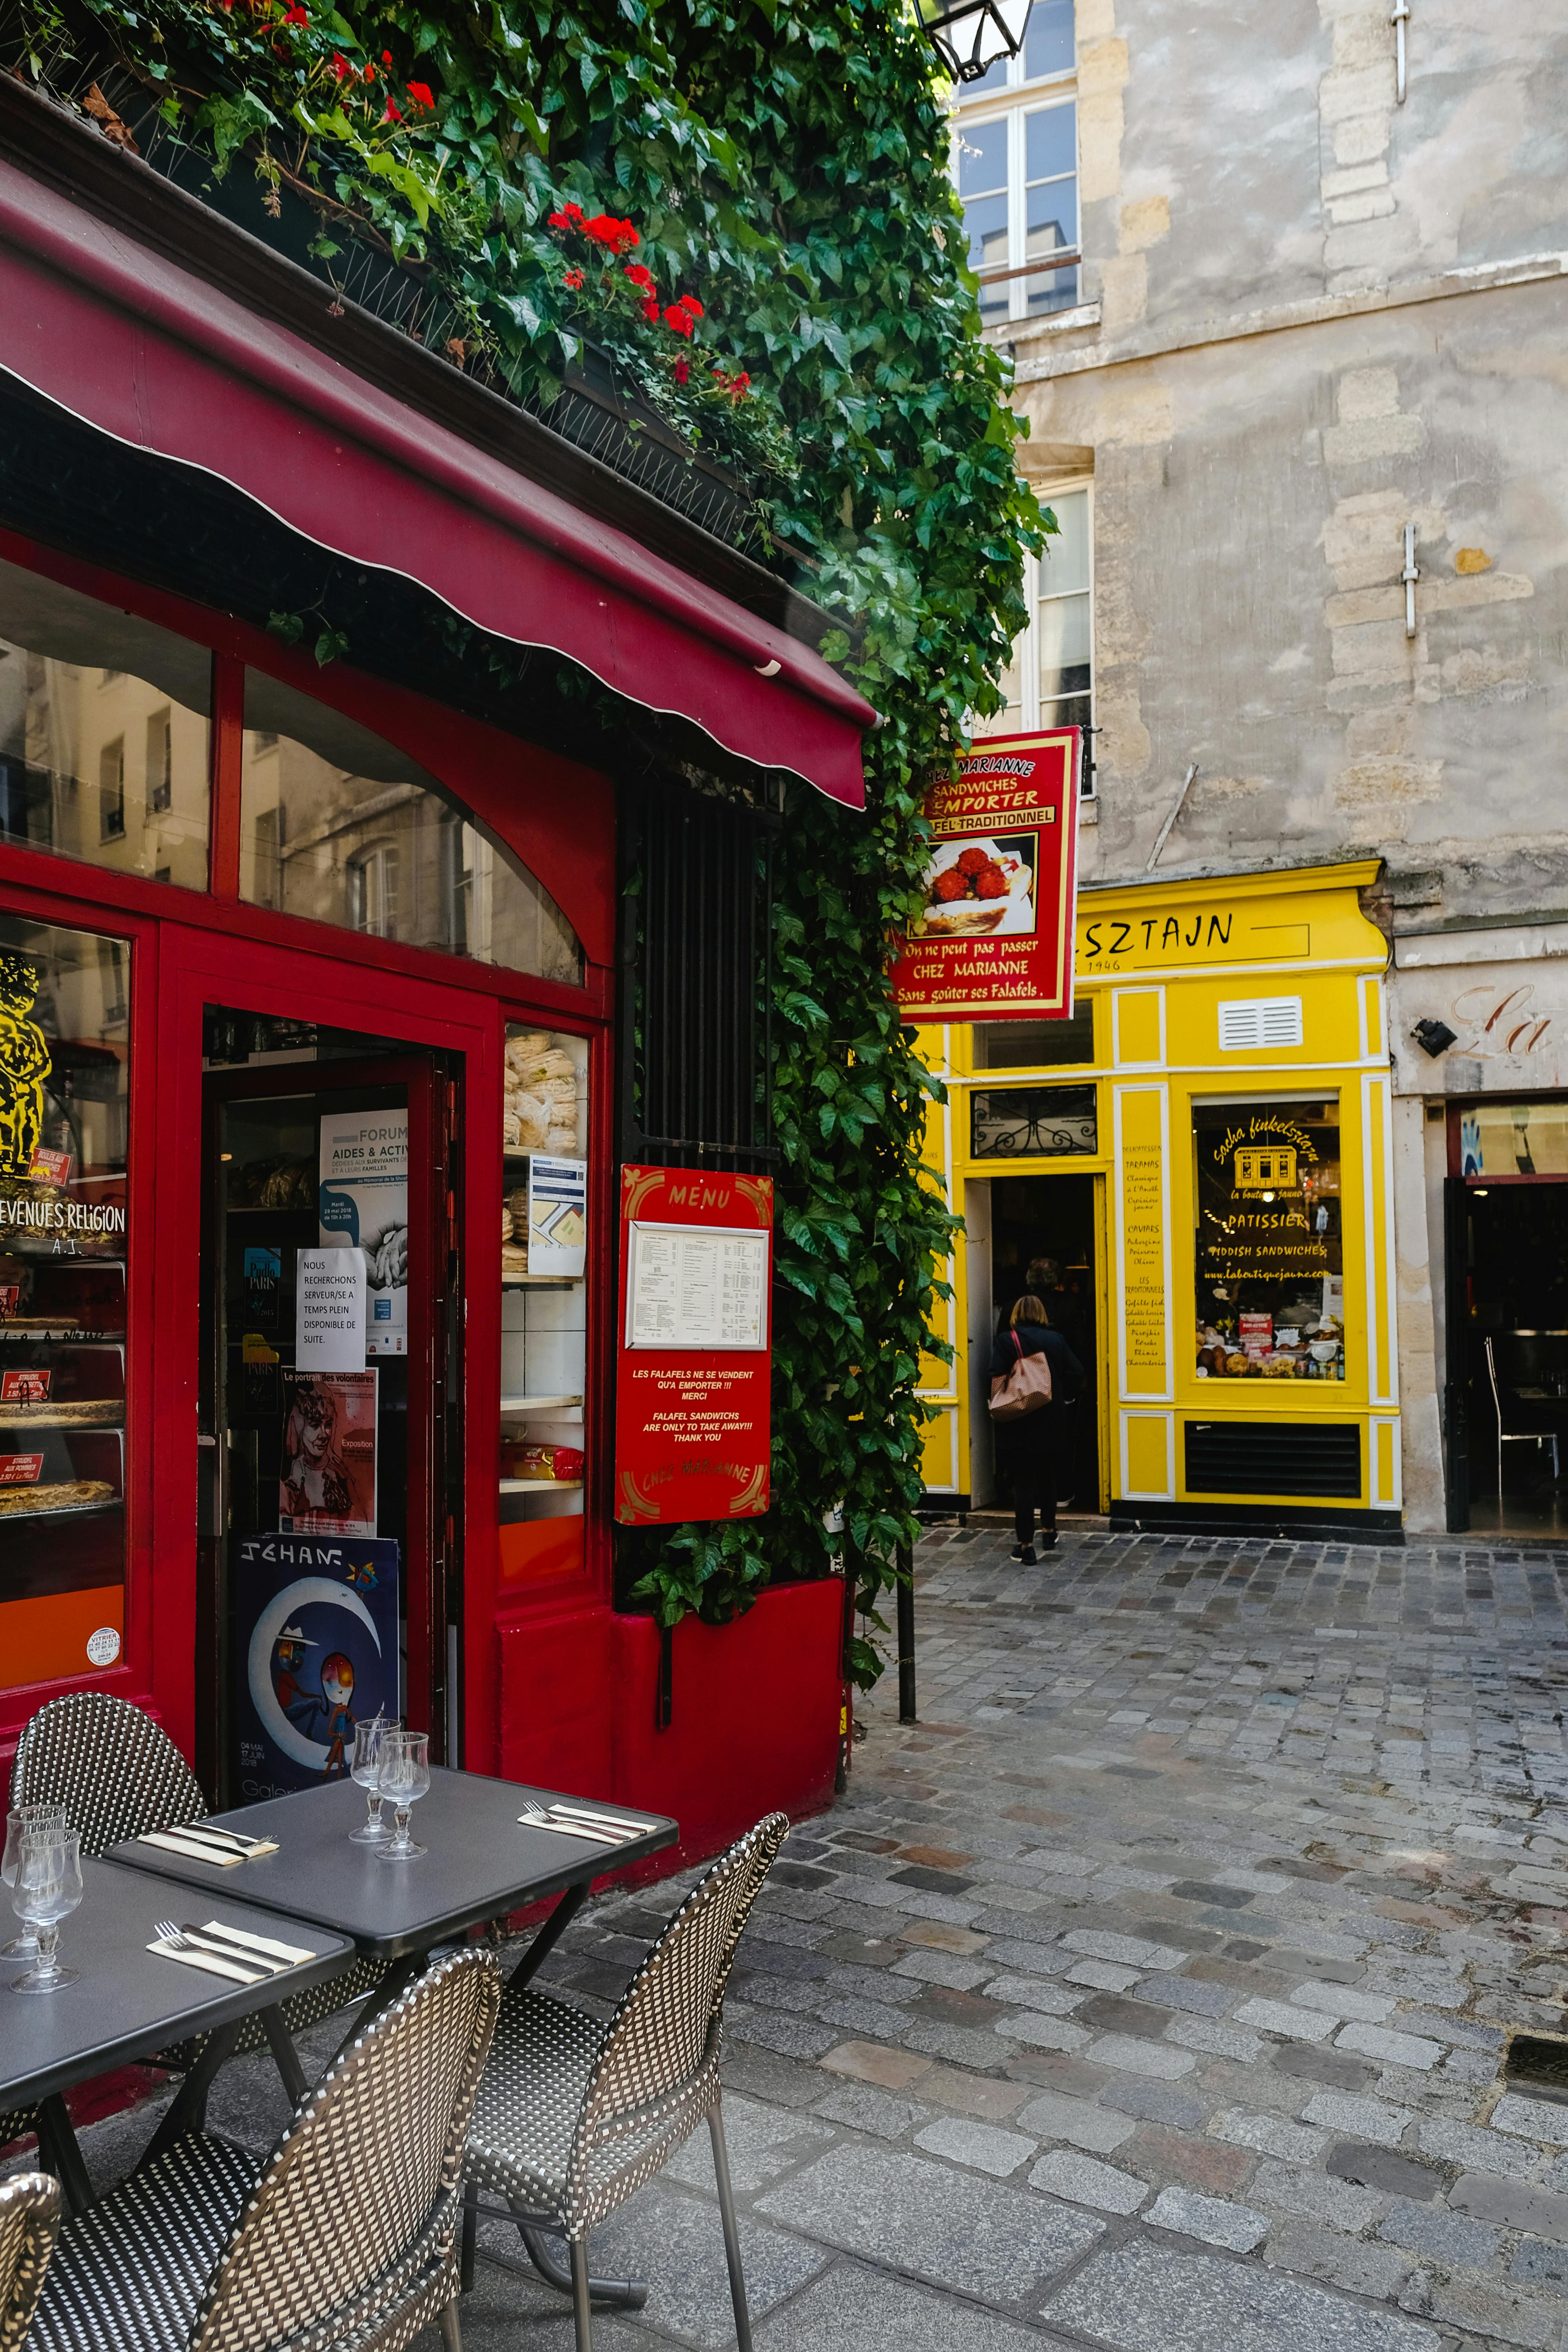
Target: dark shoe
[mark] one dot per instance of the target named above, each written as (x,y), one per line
(1048,1542)
(1016,1552)
(1025,1558)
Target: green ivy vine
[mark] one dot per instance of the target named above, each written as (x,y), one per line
(786,169)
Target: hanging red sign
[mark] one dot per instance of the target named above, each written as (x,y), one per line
(693,1388)
(995,938)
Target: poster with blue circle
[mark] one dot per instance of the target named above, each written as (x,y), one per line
(316,1652)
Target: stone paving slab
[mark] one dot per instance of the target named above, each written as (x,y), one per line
(1151,1991)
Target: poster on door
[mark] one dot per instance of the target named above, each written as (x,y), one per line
(316,1652)
(363,1204)
(326,1476)
(693,1426)
(993,939)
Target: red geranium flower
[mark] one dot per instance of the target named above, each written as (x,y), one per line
(616,235)
(370,68)
(689,302)
(650,308)
(573,279)
(422,95)
(342,67)
(386,57)
(678,321)
(296,14)
(393,113)
(641,278)
(569,216)
(682,369)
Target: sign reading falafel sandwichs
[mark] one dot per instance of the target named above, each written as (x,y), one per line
(993,940)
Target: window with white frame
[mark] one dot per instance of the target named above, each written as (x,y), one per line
(1049,681)
(1014,141)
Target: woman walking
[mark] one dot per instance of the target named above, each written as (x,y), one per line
(1027,1448)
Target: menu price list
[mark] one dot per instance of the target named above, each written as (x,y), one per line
(1144,1304)
(697,1287)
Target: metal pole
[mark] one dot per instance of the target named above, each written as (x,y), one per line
(906,1635)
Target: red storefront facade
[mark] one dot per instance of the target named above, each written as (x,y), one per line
(245,898)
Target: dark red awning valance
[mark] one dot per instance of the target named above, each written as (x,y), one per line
(134,345)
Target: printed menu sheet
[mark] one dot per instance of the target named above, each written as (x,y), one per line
(696,1286)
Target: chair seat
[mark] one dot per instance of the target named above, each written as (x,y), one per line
(531,2096)
(527,2115)
(130,2272)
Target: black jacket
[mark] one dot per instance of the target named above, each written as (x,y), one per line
(1066,1372)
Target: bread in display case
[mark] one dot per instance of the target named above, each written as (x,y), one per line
(64,1114)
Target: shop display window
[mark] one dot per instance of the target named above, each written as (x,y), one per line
(338,824)
(1502,1140)
(1270,1242)
(64,1070)
(103,734)
(544,1243)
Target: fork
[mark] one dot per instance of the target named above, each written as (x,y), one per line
(169,1931)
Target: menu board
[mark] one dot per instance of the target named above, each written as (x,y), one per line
(693,1432)
(697,1287)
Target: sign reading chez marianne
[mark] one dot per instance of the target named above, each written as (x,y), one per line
(995,938)
(693,1393)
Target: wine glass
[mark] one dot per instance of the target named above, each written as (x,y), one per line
(366,1772)
(20,1818)
(47,1889)
(404,1777)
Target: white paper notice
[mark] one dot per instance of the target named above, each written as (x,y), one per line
(363,1205)
(696,1286)
(328,1312)
(557,1215)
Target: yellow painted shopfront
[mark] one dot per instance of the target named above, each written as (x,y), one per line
(1202,1156)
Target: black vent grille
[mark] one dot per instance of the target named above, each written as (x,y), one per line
(697,923)
(1266,1457)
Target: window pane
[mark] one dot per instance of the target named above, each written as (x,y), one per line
(1063,567)
(103,734)
(64,1066)
(1050,141)
(993,78)
(1270,1269)
(544,1315)
(1065,645)
(1048,43)
(982,158)
(986,221)
(338,824)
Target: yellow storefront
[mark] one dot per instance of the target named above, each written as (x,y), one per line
(1203,1152)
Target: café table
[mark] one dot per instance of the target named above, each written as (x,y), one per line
(128,2003)
(482,1863)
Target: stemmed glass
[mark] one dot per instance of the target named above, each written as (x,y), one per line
(21,1819)
(47,1889)
(366,1770)
(404,1777)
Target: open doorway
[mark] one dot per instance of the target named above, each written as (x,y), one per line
(327,1423)
(1052,1218)
(1507,1343)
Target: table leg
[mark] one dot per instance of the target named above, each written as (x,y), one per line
(284,2055)
(549,1936)
(188,2113)
(62,2155)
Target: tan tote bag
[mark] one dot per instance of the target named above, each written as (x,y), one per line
(1022,1390)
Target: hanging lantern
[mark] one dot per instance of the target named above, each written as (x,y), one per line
(972,35)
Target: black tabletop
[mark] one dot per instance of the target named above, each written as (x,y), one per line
(127,2003)
(481,1862)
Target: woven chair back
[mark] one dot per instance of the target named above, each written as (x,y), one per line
(359,2194)
(659,2035)
(114,1770)
(29,2221)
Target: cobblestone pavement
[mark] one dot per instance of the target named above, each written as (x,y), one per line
(1150,1994)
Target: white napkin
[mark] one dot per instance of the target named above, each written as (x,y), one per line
(213,1965)
(172,1843)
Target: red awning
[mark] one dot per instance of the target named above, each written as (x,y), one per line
(168,364)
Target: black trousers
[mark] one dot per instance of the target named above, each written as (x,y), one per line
(1026,1461)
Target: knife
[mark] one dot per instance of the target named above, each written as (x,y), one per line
(292,1956)
(219,1857)
(573,1829)
(602,1821)
(257,1961)
(232,1837)
(213,1965)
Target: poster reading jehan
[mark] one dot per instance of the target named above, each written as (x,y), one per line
(993,940)
(316,1650)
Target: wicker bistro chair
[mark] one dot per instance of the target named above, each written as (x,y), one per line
(119,1773)
(343,2240)
(29,2221)
(573,2115)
